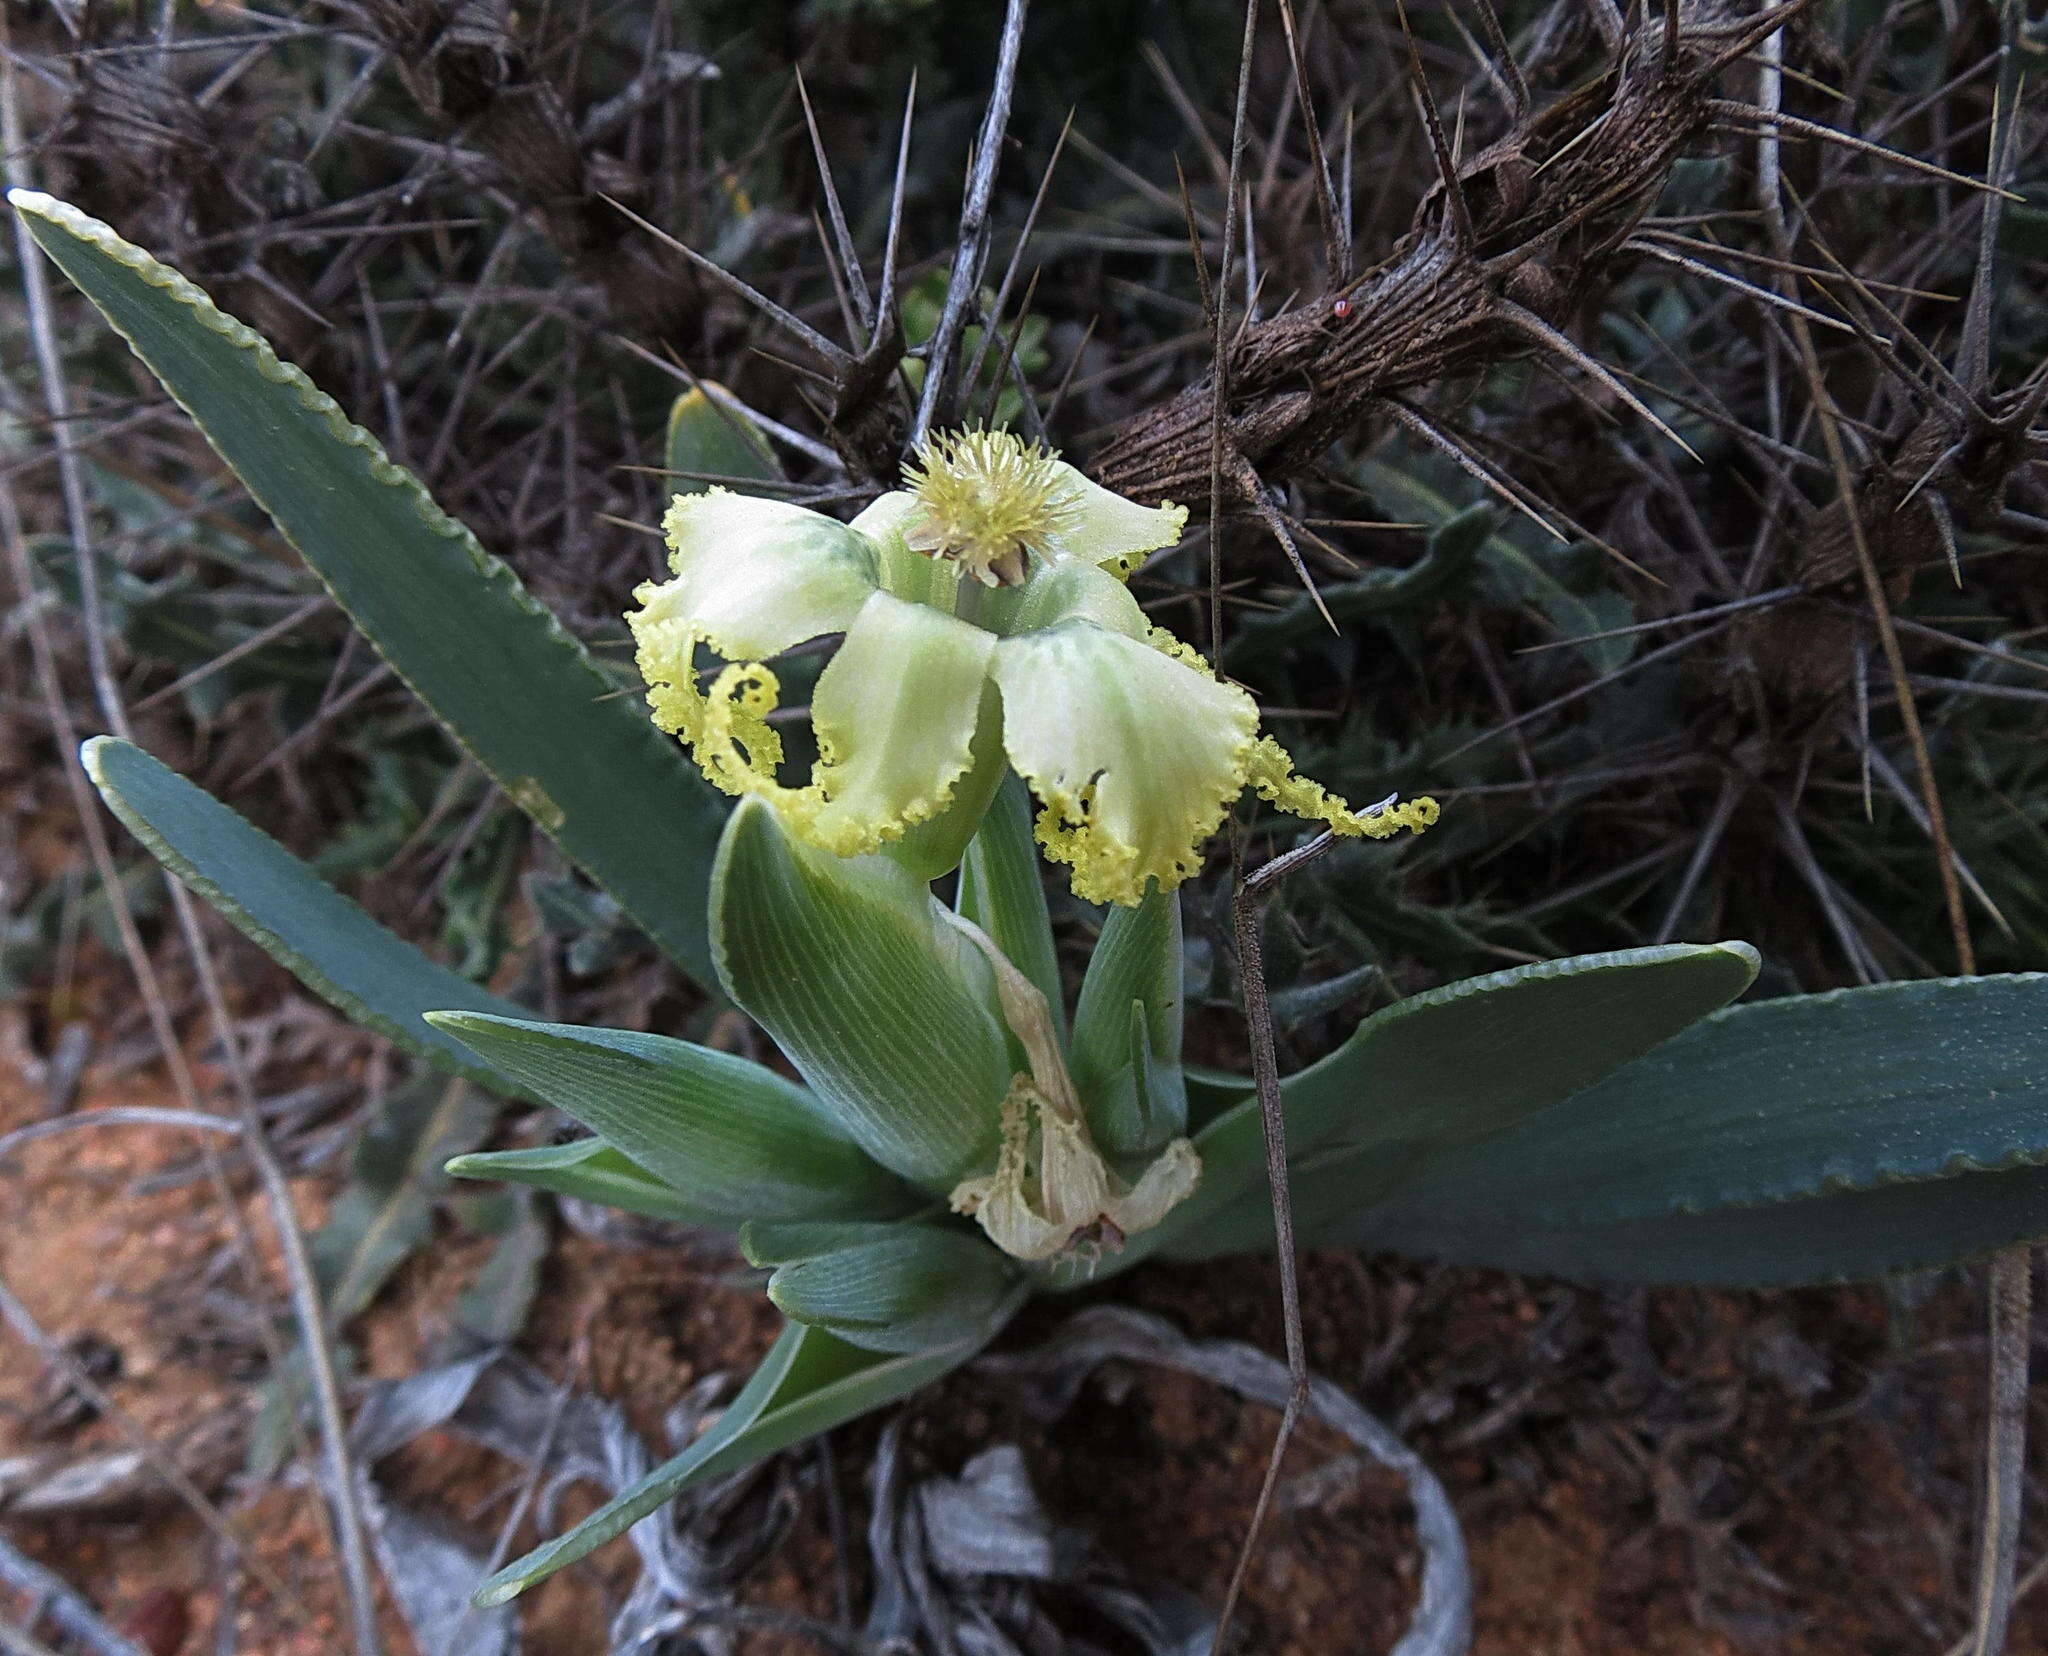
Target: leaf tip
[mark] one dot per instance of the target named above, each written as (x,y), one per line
(460,1024)
(1752,961)
(499,1589)
(91,754)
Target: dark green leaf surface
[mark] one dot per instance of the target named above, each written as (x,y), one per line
(1459,1063)
(1211,1091)
(495,667)
(879,1001)
(1442,1069)
(1808,1138)
(727,1135)
(1846,1236)
(331,945)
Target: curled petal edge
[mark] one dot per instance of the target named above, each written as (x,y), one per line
(1073,828)
(895,714)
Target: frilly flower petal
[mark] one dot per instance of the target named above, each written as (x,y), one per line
(1271,776)
(1101,527)
(1134,752)
(895,715)
(752,578)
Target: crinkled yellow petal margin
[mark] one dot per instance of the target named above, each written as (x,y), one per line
(751,579)
(1272,777)
(1134,750)
(895,715)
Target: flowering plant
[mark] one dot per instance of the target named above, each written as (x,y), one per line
(960,1140)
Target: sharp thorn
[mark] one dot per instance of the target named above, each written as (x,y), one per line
(738,285)
(849,255)
(1800,127)
(1446,165)
(1561,345)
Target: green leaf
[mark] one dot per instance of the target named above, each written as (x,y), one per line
(1459,1063)
(1844,1236)
(1002,892)
(1519,576)
(1211,1091)
(518,692)
(387,1207)
(1445,1068)
(1817,1137)
(916,1289)
(589,1170)
(729,1136)
(879,1001)
(1453,546)
(1127,1029)
(326,941)
(809,1383)
(711,444)
(772,1242)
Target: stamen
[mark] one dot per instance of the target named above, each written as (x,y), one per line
(987,500)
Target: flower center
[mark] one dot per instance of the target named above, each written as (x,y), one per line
(986,499)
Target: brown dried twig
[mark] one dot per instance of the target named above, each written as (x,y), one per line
(1504,250)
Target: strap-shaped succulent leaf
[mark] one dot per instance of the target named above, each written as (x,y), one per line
(589,1170)
(1000,891)
(1445,1067)
(320,936)
(1812,1138)
(729,1136)
(512,686)
(904,1288)
(1127,1029)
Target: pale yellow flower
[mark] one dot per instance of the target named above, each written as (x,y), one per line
(1133,746)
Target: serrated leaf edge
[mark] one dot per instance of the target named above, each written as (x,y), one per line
(383,470)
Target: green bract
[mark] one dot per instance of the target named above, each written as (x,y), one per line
(985,616)
(958,1142)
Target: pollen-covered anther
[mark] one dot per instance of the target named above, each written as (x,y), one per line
(987,500)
